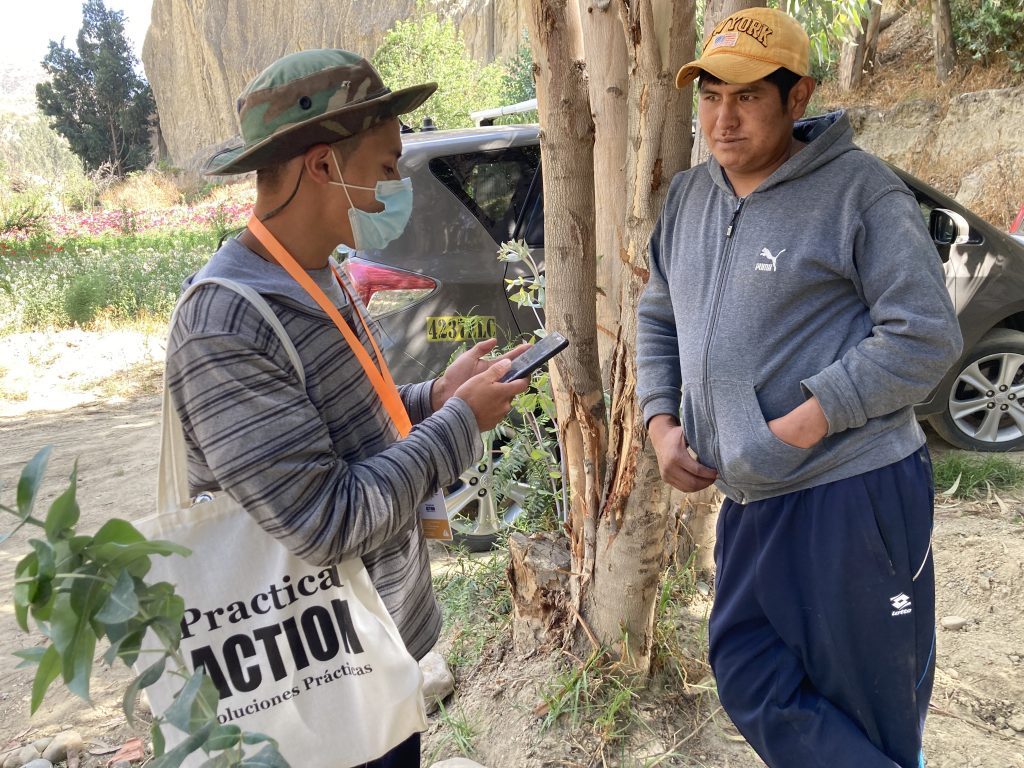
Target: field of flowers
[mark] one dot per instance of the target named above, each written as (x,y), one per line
(115,265)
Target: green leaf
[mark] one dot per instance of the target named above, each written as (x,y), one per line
(254,737)
(149,676)
(124,644)
(224,737)
(132,555)
(205,708)
(223,760)
(25,587)
(30,655)
(78,666)
(45,557)
(21,616)
(73,635)
(117,531)
(49,668)
(268,757)
(31,478)
(157,736)
(176,756)
(180,712)
(64,512)
(122,604)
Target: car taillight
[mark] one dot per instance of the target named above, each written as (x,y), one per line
(385,289)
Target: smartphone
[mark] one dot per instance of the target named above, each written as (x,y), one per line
(533,358)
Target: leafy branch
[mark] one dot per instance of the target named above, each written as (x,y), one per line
(79,589)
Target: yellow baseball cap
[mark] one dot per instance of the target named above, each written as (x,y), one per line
(749,45)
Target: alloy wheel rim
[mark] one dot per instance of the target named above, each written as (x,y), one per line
(473,507)
(985,402)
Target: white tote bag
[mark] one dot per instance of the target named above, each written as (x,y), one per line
(308,655)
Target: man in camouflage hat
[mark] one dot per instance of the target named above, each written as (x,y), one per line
(322,466)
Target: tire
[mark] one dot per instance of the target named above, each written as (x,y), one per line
(984,409)
(477,517)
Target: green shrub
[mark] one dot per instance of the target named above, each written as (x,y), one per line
(987,29)
(427,48)
(24,213)
(46,283)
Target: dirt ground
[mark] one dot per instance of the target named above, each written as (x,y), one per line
(977,715)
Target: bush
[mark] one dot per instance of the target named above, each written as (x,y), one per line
(24,213)
(31,151)
(142,190)
(430,48)
(988,29)
(46,283)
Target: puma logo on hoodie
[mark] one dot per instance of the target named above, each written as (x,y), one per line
(766,254)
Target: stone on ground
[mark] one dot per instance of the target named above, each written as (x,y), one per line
(438,680)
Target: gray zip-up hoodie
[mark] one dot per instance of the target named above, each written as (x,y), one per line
(824,282)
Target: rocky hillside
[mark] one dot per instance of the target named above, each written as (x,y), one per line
(964,137)
(199,54)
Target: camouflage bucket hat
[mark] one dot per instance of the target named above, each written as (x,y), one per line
(307,98)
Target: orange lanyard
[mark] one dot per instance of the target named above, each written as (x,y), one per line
(380,376)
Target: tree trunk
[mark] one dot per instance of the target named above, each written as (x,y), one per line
(714,12)
(617,512)
(858,55)
(871,36)
(608,88)
(567,157)
(945,47)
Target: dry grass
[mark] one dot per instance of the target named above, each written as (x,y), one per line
(906,71)
(144,191)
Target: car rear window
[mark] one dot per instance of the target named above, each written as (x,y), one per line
(494,185)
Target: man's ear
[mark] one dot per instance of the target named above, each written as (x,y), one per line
(800,97)
(319,163)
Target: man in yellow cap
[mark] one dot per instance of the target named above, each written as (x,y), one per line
(796,310)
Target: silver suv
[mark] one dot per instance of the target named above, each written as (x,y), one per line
(440,285)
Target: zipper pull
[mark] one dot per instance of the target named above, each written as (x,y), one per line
(735,214)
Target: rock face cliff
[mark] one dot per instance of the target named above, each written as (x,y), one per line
(199,54)
(972,148)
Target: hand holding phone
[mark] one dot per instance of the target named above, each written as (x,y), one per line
(528,362)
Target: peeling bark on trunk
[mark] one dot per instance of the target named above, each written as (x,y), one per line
(567,156)
(618,119)
(538,575)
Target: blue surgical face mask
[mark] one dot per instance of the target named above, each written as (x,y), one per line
(373,231)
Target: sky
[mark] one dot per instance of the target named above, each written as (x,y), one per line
(29,25)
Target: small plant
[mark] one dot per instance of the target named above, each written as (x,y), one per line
(128,220)
(477,607)
(24,213)
(525,291)
(80,589)
(460,732)
(986,29)
(599,692)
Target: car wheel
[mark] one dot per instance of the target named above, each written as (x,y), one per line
(984,409)
(476,513)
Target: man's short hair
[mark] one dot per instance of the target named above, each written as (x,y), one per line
(270,178)
(781,78)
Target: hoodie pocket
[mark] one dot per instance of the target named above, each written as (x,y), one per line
(697,426)
(750,453)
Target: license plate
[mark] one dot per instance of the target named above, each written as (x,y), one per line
(456,328)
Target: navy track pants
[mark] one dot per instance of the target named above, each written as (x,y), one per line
(822,634)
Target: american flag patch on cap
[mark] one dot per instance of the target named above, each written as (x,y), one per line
(725,40)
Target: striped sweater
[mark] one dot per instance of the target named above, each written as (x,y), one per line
(320,468)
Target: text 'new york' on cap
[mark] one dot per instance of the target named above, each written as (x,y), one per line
(750,44)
